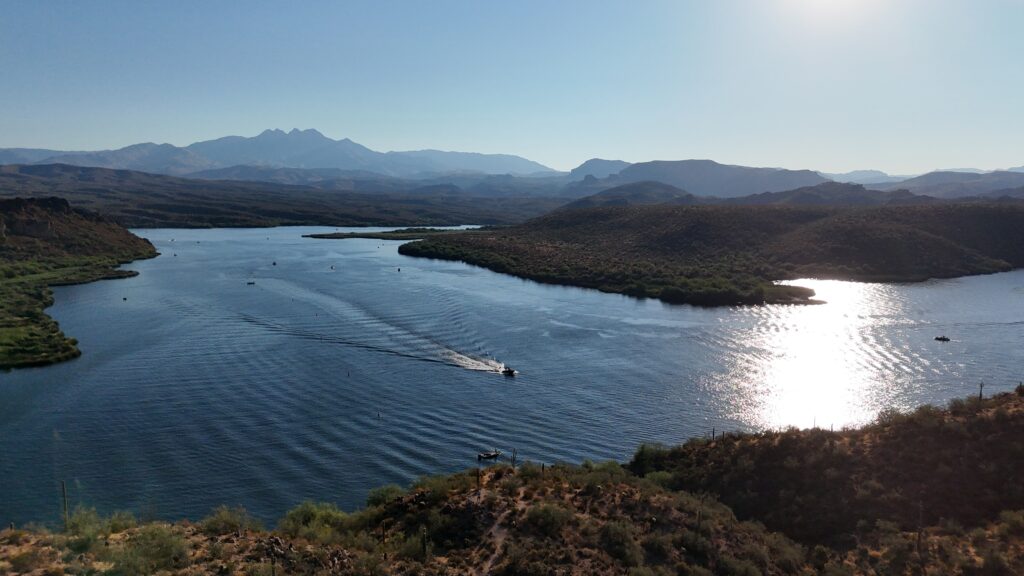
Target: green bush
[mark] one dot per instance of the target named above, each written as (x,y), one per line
(1012,522)
(316,521)
(86,529)
(729,566)
(618,541)
(384,494)
(153,548)
(225,520)
(121,521)
(548,520)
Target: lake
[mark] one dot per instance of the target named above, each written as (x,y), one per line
(345,366)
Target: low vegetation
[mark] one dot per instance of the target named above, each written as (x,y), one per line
(45,243)
(725,255)
(141,200)
(403,234)
(806,502)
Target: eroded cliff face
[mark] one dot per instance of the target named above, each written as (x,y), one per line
(31,217)
(34,227)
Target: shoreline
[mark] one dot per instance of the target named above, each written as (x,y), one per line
(62,347)
(686,505)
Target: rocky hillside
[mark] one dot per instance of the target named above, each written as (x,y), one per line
(44,242)
(725,255)
(855,502)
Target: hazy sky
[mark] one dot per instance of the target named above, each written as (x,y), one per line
(900,85)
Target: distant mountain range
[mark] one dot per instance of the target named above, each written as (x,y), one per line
(598,168)
(958,184)
(824,194)
(635,194)
(308,158)
(276,148)
(709,178)
(864,177)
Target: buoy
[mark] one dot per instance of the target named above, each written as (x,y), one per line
(275,263)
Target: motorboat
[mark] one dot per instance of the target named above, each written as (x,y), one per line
(491,455)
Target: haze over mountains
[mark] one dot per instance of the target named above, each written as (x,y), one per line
(307,158)
(276,148)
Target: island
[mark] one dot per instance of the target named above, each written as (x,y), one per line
(45,242)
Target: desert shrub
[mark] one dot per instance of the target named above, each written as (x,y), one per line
(992,564)
(519,563)
(86,528)
(1012,522)
(384,494)
(661,478)
(649,571)
(121,521)
(261,569)
(548,520)
(153,548)
(697,546)
(617,539)
(411,548)
(658,547)
(316,521)
(225,520)
(819,557)
(787,555)
(28,561)
(13,537)
(684,569)
(897,555)
(529,472)
(729,566)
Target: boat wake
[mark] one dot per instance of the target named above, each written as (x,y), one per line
(348,324)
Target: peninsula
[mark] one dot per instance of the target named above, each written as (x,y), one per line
(43,243)
(732,255)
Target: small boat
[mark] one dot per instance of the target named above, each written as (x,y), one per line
(492,455)
(251,283)
(942,338)
(508,371)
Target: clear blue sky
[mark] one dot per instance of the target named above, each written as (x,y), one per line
(900,85)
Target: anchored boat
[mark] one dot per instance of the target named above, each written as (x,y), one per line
(492,455)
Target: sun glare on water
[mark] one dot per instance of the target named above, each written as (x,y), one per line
(822,364)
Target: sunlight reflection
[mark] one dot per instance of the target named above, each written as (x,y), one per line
(819,364)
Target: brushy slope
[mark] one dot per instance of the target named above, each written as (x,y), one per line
(962,464)
(141,200)
(723,255)
(845,503)
(44,242)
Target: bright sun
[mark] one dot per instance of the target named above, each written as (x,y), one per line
(831,12)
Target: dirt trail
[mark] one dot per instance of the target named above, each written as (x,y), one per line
(498,532)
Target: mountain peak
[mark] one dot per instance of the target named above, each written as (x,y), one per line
(307,132)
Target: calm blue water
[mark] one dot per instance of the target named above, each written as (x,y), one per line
(321,383)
